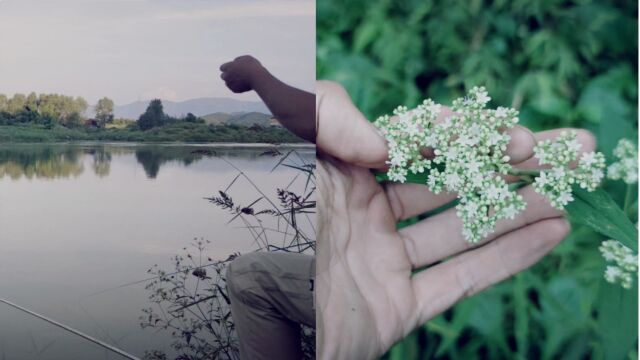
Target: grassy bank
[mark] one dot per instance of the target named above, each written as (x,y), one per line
(177,132)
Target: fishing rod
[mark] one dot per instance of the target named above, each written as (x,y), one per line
(157,277)
(73,331)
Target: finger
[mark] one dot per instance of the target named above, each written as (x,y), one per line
(441,286)
(520,145)
(224,67)
(440,236)
(224,76)
(343,132)
(409,200)
(584,137)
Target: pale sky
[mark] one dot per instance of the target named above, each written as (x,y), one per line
(133,50)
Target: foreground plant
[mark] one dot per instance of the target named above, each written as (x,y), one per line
(469,159)
(191,299)
(624,264)
(626,168)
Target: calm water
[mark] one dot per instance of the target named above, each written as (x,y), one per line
(79,219)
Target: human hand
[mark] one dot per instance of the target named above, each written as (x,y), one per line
(367,297)
(240,74)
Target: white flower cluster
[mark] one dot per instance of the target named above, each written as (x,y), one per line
(627,167)
(626,263)
(469,155)
(555,183)
(469,159)
(406,136)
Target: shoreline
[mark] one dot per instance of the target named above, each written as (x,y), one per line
(176,144)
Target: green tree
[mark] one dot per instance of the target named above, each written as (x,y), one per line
(32,102)
(73,120)
(153,116)
(4,102)
(104,111)
(191,118)
(16,103)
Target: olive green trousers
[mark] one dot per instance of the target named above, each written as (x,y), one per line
(271,295)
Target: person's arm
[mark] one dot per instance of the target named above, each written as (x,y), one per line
(294,108)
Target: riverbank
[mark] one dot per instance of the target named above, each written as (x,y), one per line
(182,132)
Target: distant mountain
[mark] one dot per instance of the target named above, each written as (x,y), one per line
(243,119)
(217,118)
(198,107)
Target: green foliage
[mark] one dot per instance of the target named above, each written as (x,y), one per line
(42,109)
(154,125)
(104,111)
(175,131)
(598,211)
(561,64)
(153,116)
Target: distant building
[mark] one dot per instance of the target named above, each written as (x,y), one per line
(273,122)
(91,123)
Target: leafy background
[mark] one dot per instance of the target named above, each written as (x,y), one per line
(562,64)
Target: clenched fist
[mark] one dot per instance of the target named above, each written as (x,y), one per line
(240,74)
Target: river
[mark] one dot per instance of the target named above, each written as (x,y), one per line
(79,220)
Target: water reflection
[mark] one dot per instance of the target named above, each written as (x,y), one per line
(40,162)
(152,158)
(101,161)
(66,161)
(78,219)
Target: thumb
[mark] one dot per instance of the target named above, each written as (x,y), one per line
(343,132)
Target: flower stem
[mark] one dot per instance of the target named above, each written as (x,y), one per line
(628,198)
(518,185)
(521,172)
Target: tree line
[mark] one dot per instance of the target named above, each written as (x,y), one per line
(70,112)
(51,109)
(154,116)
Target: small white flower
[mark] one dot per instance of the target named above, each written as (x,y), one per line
(473,166)
(501,112)
(627,166)
(624,265)
(510,212)
(612,273)
(558,172)
(482,97)
(467,140)
(573,145)
(492,192)
(453,181)
(565,197)
(452,153)
(542,180)
(589,158)
(398,160)
(495,138)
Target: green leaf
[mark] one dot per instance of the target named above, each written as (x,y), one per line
(597,210)
(561,304)
(618,314)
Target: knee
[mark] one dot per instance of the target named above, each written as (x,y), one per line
(239,274)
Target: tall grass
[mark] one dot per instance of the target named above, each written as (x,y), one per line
(191,301)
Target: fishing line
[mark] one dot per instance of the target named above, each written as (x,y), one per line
(153,278)
(71,330)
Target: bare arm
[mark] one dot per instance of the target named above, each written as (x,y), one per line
(294,108)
